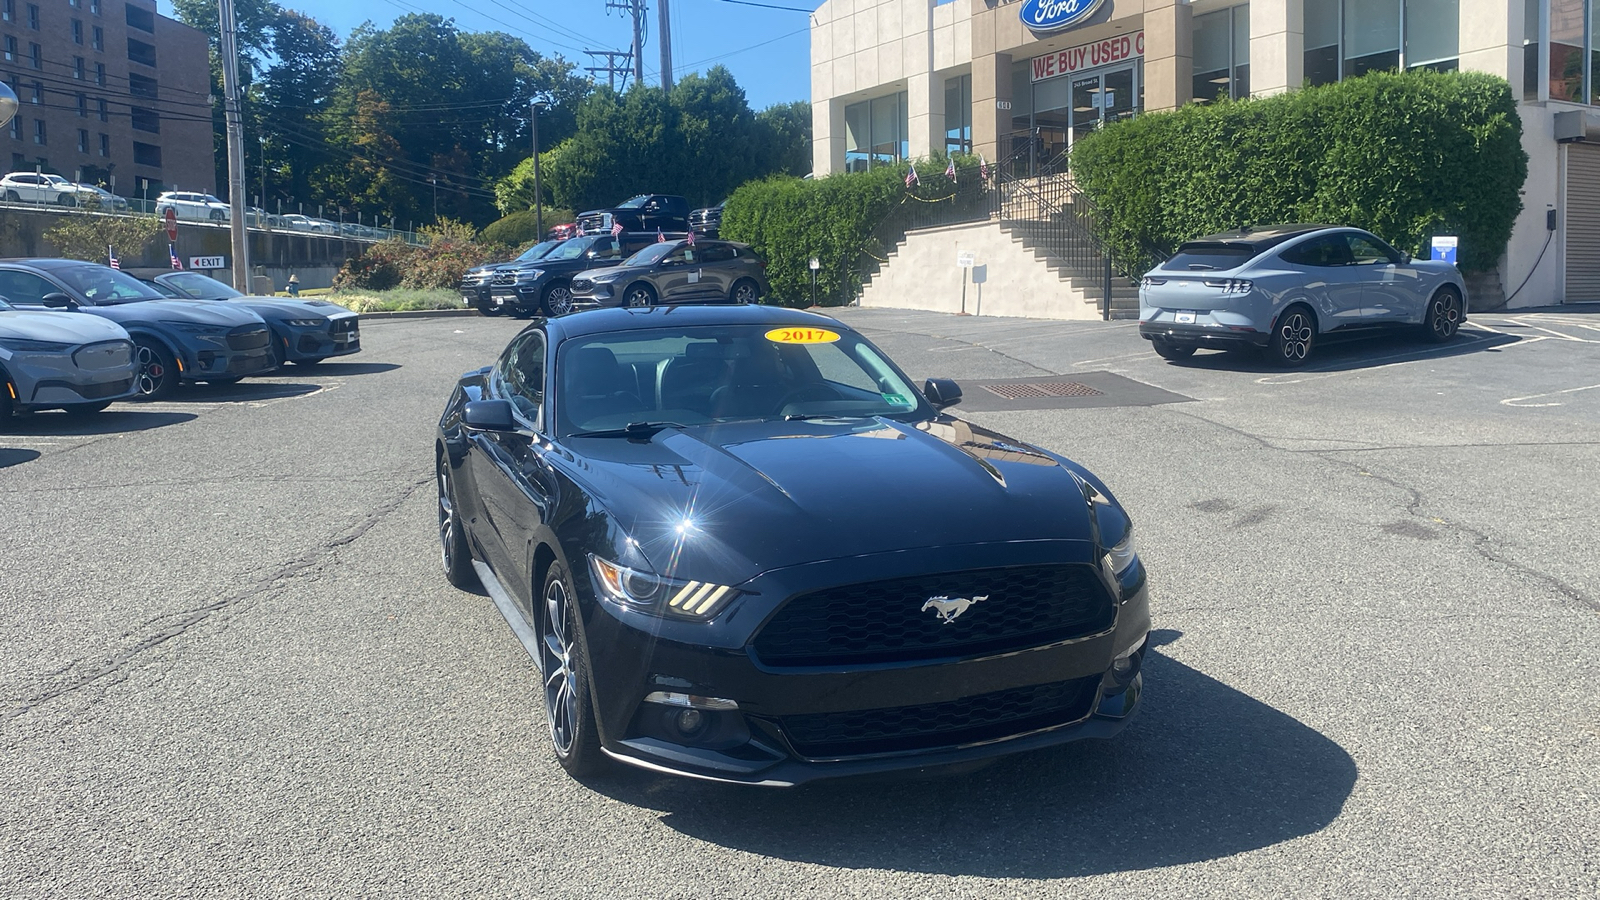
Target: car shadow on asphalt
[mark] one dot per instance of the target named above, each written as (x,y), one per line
(1345,354)
(118,419)
(1204,772)
(345,368)
(13,456)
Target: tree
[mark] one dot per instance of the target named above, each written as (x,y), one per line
(296,92)
(87,237)
(787,135)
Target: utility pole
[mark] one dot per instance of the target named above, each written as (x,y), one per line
(538,191)
(638,41)
(612,68)
(664,30)
(230,106)
(434,180)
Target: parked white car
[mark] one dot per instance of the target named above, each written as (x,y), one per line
(202,207)
(27,187)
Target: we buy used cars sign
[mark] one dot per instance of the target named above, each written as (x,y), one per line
(1088,56)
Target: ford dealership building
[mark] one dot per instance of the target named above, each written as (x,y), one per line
(1023,79)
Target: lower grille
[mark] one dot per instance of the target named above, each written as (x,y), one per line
(249,337)
(104,389)
(244,365)
(923,618)
(985,717)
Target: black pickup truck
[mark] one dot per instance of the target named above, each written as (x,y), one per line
(646,212)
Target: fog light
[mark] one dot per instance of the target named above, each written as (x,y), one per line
(690,722)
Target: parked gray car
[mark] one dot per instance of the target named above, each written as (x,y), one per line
(1283,288)
(676,272)
(52,360)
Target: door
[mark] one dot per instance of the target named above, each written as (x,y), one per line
(1389,289)
(1085,106)
(718,269)
(1583,223)
(508,471)
(678,275)
(1324,264)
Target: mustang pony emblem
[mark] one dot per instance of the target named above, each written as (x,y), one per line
(949,610)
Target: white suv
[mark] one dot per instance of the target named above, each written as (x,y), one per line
(192,206)
(26,187)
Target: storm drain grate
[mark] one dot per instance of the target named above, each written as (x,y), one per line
(1040,390)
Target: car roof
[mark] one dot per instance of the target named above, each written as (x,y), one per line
(47,263)
(1264,236)
(597,321)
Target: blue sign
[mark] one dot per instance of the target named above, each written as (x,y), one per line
(1056,15)
(1444,248)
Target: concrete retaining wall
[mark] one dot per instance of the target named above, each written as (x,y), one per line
(1012,281)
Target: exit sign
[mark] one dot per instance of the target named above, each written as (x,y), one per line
(208,262)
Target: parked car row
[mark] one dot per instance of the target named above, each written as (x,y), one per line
(79,336)
(553,278)
(32,187)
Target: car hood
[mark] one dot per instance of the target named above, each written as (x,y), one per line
(194,312)
(730,502)
(290,308)
(60,327)
(617,271)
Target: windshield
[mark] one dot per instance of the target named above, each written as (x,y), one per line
(101,285)
(652,254)
(706,375)
(201,287)
(572,249)
(537,251)
(634,202)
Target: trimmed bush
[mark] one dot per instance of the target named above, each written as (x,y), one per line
(1403,155)
(835,219)
(452,249)
(521,229)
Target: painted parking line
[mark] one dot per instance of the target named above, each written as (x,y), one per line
(1521,401)
(1384,362)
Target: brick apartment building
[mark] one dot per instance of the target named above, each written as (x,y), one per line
(111,93)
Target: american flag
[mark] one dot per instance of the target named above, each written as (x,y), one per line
(691,237)
(616,229)
(660,238)
(911,176)
(173,252)
(950,170)
(983,168)
(113,255)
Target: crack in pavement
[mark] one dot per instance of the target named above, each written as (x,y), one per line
(114,668)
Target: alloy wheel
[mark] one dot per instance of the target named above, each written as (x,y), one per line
(558,300)
(745,292)
(1295,333)
(560,681)
(639,297)
(447,517)
(1445,315)
(152,375)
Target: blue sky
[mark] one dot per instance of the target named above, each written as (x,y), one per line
(760,46)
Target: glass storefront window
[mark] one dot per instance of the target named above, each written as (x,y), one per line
(1427,42)
(1348,38)
(1530,50)
(1371,36)
(876,132)
(1222,54)
(958,114)
(1567,40)
(1322,42)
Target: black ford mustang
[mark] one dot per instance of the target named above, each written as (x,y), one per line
(742,547)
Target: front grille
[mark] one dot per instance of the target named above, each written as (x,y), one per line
(894,621)
(985,717)
(249,337)
(104,390)
(580,285)
(505,278)
(347,325)
(104,355)
(591,224)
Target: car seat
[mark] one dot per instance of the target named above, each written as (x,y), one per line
(597,388)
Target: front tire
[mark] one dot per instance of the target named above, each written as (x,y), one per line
(557,300)
(453,549)
(157,377)
(639,296)
(567,708)
(67,200)
(1443,318)
(1167,350)
(1293,336)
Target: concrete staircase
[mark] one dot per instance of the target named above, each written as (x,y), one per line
(1038,238)
(1484,291)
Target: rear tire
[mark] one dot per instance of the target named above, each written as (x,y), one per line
(13,197)
(1168,350)
(1443,318)
(1293,336)
(745,291)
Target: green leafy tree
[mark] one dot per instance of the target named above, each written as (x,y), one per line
(296,92)
(86,237)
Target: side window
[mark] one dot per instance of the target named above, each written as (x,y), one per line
(606,248)
(1324,252)
(715,253)
(1367,253)
(24,288)
(521,372)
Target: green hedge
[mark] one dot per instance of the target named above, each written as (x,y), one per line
(521,229)
(790,220)
(1403,155)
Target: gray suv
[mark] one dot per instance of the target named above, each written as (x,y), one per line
(676,272)
(1283,288)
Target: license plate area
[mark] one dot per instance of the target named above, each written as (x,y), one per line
(1184,316)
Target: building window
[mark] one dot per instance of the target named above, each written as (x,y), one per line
(94,6)
(958,114)
(77,67)
(38,132)
(8,10)
(36,56)
(11,49)
(77,31)
(1222,54)
(143,86)
(1349,38)
(105,144)
(16,133)
(33,16)
(83,140)
(146,155)
(876,132)
(75,4)
(104,113)
(142,19)
(83,106)
(99,40)
(145,119)
(1568,36)
(100,74)
(38,92)
(142,53)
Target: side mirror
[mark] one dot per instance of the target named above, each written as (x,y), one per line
(58,300)
(941,392)
(488,415)
(1405,259)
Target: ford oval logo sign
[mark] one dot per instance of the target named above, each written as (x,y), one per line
(1054,15)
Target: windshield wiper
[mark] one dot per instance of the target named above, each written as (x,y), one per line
(630,430)
(801,417)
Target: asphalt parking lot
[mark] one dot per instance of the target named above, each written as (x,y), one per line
(231,666)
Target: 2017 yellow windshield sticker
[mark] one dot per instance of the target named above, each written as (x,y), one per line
(802,336)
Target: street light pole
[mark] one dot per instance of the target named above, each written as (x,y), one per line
(434,179)
(538,191)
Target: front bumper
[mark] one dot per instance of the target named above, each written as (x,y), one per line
(781,726)
(55,380)
(320,343)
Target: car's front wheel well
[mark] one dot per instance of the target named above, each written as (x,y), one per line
(543,558)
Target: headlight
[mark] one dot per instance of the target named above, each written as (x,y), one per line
(308,323)
(22,345)
(651,593)
(1123,555)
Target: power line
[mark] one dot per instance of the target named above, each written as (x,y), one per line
(690,65)
(769,6)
